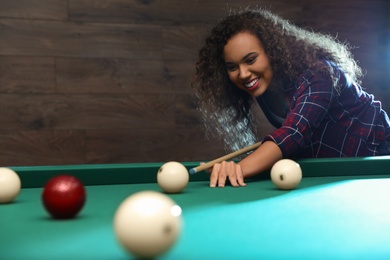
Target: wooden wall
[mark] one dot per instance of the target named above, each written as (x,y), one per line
(108,81)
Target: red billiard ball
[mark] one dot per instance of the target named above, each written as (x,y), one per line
(63,196)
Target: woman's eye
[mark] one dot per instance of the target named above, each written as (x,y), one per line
(230,67)
(251,60)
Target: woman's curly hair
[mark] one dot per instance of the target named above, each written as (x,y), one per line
(226,109)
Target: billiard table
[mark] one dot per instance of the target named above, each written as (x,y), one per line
(341,210)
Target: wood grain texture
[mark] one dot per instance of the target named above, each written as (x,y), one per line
(182,42)
(123,76)
(146,11)
(150,145)
(68,39)
(97,81)
(44,147)
(27,75)
(35,112)
(37,9)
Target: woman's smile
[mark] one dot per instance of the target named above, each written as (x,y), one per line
(253,84)
(247,63)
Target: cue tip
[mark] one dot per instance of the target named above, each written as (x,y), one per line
(192,171)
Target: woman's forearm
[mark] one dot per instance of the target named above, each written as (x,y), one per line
(262,159)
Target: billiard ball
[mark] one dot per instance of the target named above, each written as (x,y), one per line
(286,174)
(147,223)
(10,185)
(172,177)
(63,196)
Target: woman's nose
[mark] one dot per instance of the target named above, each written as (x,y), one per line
(244,72)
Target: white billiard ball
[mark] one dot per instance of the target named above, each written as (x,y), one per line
(9,185)
(173,177)
(147,223)
(286,174)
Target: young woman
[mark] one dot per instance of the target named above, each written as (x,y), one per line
(306,83)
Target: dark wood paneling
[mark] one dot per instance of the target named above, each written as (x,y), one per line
(96,81)
(174,12)
(182,42)
(86,111)
(186,114)
(123,76)
(68,39)
(150,145)
(44,147)
(27,75)
(37,9)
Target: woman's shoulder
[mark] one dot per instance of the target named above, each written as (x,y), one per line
(320,76)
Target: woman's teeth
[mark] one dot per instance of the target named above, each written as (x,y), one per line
(251,84)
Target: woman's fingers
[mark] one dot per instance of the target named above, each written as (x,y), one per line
(214,175)
(226,170)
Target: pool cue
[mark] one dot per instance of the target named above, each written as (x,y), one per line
(224,158)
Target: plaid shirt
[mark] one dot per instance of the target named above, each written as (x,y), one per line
(324,121)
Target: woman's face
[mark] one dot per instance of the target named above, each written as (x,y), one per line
(247,64)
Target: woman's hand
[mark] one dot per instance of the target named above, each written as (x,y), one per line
(226,171)
(258,161)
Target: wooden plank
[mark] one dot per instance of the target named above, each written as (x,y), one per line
(203,12)
(175,12)
(335,17)
(67,39)
(35,112)
(150,145)
(129,11)
(186,114)
(182,42)
(27,75)
(116,76)
(37,9)
(45,147)
(119,72)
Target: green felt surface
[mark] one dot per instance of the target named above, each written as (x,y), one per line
(325,218)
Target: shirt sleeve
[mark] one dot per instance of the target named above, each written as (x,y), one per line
(310,103)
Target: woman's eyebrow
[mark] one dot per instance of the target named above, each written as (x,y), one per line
(243,58)
(247,56)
